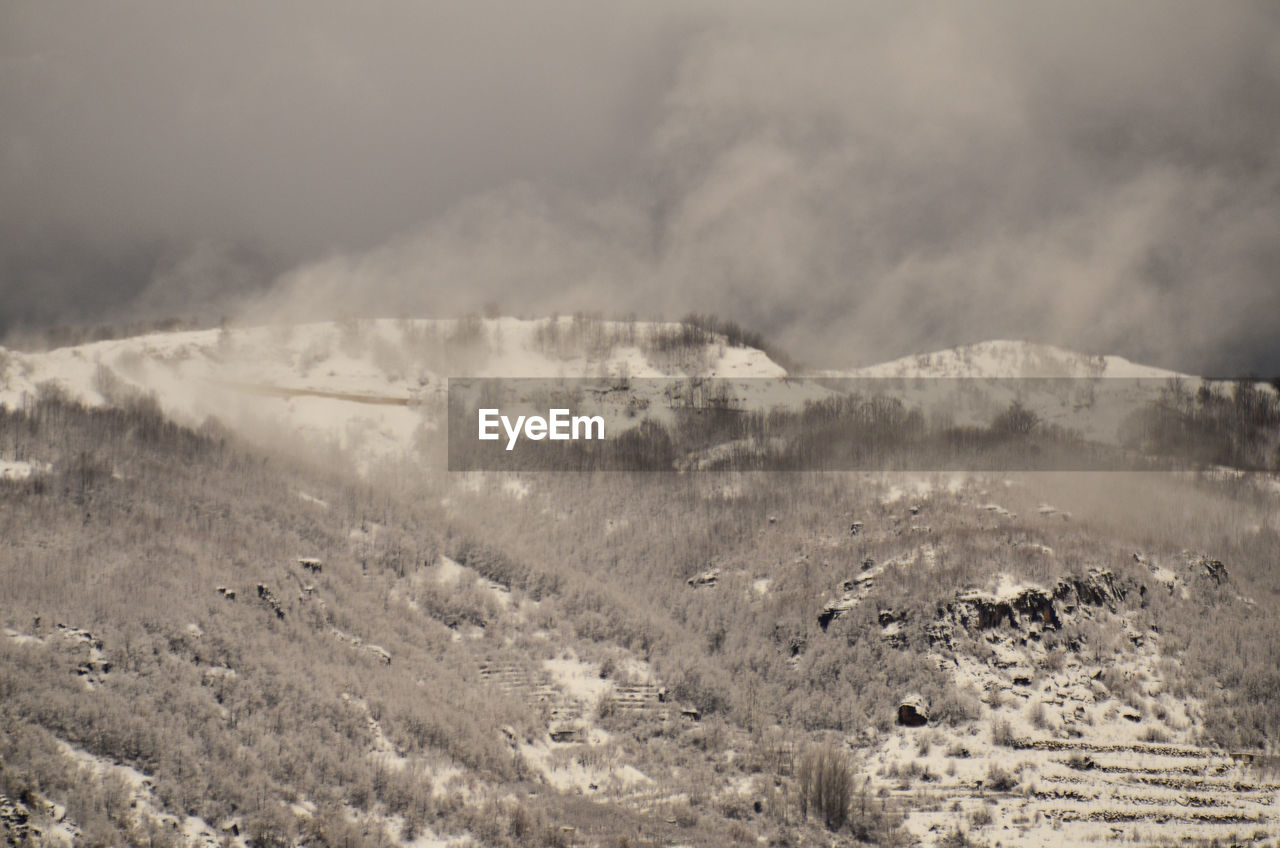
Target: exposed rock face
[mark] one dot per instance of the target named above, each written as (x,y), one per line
(16,827)
(1211,569)
(269,597)
(981,611)
(852,591)
(891,624)
(83,641)
(93,666)
(889,616)
(14,820)
(976,610)
(76,635)
(829,614)
(709,577)
(566,732)
(1098,588)
(834,610)
(913,711)
(938,633)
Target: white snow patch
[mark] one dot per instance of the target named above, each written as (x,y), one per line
(582,774)
(145,804)
(22,470)
(22,638)
(383,751)
(1008,359)
(449,572)
(580,680)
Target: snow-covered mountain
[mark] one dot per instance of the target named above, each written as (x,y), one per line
(377,387)
(1091,394)
(1010,359)
(1028,620)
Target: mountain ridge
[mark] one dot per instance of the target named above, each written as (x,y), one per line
(376,388)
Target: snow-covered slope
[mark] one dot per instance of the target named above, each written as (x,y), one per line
(373,386)
(377,387)
(1010,359)
(1091,394)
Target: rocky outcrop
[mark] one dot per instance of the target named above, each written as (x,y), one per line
(792,642)
(913,711)
(93,666)
(15,825)
(710,577)
(888,616)
(852,591)
(1208,569)
(269,598)
(982,611)
(938,634)
(891,627)
(1033,607)
(1097,588)
(83,637)
(83,641)
(566,732)
(833,610)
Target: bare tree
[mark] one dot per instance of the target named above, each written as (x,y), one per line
(825,780)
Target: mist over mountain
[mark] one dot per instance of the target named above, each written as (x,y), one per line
(246,605)
(628,425)
(859,183)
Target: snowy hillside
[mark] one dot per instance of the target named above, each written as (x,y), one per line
(377,388)
(1010,359)
(374,386)
(1091,394)
(1000,659)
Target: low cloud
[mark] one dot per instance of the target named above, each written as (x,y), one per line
(857,182)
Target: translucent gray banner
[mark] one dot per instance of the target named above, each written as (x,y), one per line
(855,424)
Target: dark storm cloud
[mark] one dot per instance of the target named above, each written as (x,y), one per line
(858,180)
(133,132)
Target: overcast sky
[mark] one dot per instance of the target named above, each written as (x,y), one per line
(858,181)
